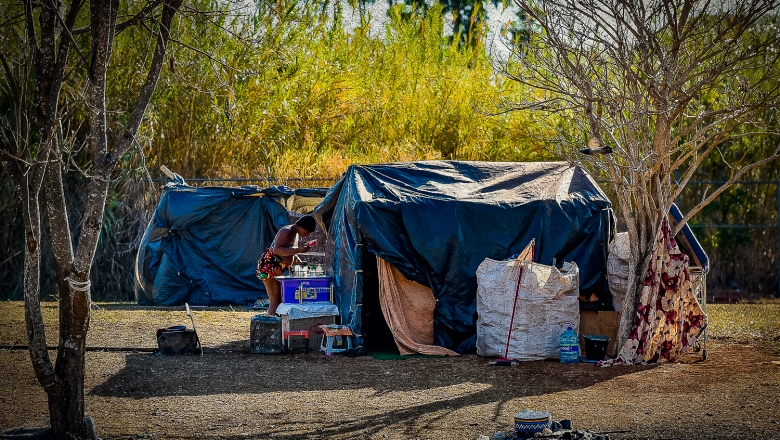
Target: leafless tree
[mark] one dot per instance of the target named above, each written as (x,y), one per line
(61,41)
(651,88)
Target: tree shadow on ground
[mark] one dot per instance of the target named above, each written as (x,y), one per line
(146,375)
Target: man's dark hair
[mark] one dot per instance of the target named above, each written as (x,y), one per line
(307,222)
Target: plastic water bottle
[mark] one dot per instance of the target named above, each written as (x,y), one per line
(570,347)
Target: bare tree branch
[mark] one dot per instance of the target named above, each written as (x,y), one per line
(663,83)
(62,57)
(734,177)
(143,14)
(163,36)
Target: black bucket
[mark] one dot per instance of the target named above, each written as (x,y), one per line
(596,347)
(175,328)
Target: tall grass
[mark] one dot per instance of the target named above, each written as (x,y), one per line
(305,98)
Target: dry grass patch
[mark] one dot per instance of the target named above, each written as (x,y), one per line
(745,322)
(130,325)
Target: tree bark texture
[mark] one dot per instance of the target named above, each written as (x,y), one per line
(33,318)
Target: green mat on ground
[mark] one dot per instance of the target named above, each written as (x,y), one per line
(395,356)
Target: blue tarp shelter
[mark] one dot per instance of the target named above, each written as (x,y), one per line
(436,221)
(202,244)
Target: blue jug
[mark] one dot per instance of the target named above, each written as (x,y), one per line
(570,347)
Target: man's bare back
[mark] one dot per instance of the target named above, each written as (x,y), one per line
(284,248)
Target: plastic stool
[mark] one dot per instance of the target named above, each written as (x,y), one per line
(331,332)
(304,333)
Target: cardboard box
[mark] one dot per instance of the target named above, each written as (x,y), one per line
(599,323)
(310,324)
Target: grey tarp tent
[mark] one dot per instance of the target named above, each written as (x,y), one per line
(436,221)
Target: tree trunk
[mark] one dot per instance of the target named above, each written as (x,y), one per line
(642,226)
(33,318)
(636,273)
(63,381)
(66,400)
(628,307)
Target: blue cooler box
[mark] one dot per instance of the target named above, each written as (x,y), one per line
(304,289)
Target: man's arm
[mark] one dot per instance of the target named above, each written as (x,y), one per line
(284,244)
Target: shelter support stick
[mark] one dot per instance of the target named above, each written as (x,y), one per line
(532,244)
(189,313)
(514,307)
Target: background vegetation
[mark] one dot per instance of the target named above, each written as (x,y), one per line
(292,89)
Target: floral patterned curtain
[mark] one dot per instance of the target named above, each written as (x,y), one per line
(668,318)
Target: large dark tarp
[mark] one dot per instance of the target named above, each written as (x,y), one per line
(436,221)
(202,245)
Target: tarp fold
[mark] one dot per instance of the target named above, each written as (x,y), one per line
(408,309)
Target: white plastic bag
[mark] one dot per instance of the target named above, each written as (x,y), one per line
(547,303)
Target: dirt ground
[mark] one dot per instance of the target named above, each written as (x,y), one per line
(230,393)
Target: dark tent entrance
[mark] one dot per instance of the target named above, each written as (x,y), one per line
(377,336)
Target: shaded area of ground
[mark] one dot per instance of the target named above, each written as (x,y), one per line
(734,394)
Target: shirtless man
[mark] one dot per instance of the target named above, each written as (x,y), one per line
(278,258)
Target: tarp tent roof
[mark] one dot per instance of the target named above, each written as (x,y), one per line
(436,221)
(202,244)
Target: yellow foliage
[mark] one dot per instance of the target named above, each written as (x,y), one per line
(308,99)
